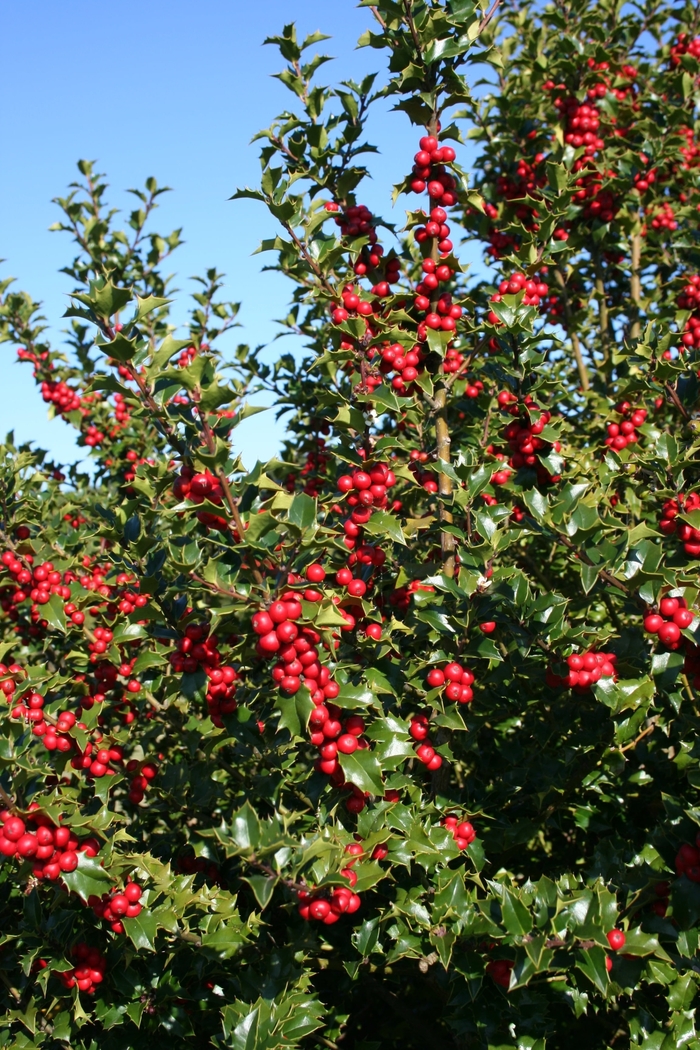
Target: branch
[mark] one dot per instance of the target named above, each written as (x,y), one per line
(575,342)
(671,391)
(412,27)
(488,16)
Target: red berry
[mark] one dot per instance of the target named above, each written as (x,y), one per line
(616,939)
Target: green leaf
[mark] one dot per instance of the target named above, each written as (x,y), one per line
(362,768)
(263,887)
(141,930)
(245,827)
(384,524)
(591,961)
(89,879)
(302,511)
(120,348)
(516,917)
(53,613)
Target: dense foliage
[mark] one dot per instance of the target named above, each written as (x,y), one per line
(390,742)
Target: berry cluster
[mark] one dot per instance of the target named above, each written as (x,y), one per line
(117,905)
(625,433)
(457,680)
(89,971)
(534,292)
(585,669)
(523,437)
(200,649)
(670,526)
(366,489)
(499,970)
(327,907)
(688,860)
(689,299)
(405,363)
(673,617)
(440,312)
(200,488)
(425,752)
(684,45)
(53,848)
(462,831)
(429,172)
(143,774)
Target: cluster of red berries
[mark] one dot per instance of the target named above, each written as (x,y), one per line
(684,45)
(673,617)
(143,774)
(462,831)
(440,312)
(499,970)
(582,121)
(534,292)
(367,489)
(188,864)
(585,669)
(63,397)
(425,752)
(660,218)
(670,526)
(89,971)
(35,583)
(52,848)
(299,664)
(688,860)
(328,907)
(352,304)
(121,411)
(118,905)
(405,363)
(691,665)
(523,437)
(689,299)
(198,488)
(625,433)
(198,648)
(457,680)
(429,171)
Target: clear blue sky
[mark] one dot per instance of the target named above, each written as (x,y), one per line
(175,90)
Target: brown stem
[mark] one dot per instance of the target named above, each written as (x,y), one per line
(231,503)
(575,342)
(633,743)
(317,271)
(635,285)
(606,576)
(603,314)
(412,27)
(442,435)
(159,418)
(671,391)
(7,799)
(228,591)
(488,16)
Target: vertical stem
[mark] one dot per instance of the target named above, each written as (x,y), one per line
(635,286)
(603,312)
(442,435)
(575,342)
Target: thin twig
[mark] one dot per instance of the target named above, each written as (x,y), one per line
(488,16)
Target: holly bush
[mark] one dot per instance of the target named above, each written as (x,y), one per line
(391,741)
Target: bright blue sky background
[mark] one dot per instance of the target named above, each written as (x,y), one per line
(172,89)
